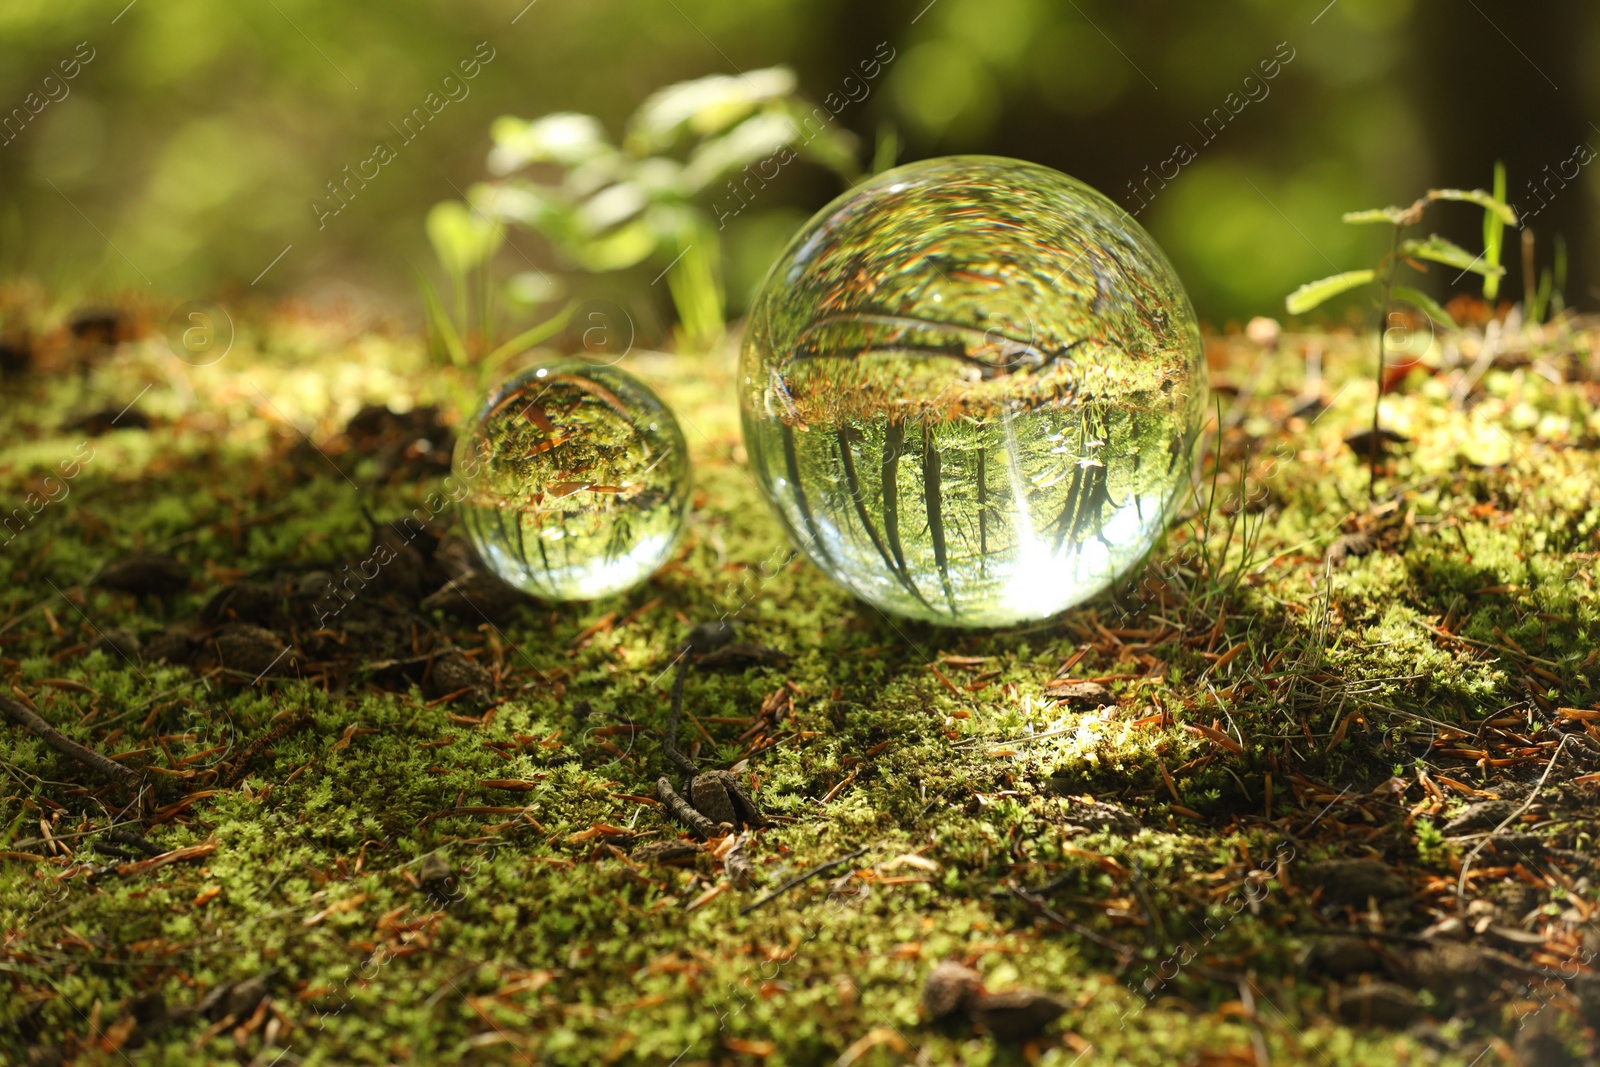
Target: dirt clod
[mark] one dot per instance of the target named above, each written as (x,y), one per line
(1379,1004)
(437,877)
(250,602)
(249,649)
(174,646)
(404,446)
(1078,694)
(453,672)
(99,423)
(668,853)
(101,326)
(1347,545)
(145,575)
(1354,882)
(119,641)
(1018,1015)
(949,988)
(1094,814)
(1342,957)
(1361,442)
(709,636)
(1451,970)
(741,654)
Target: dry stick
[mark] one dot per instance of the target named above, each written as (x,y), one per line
(669,740)
(67,747)
(1533,794)
(803,877)
(683,810)
(680,808)
(133,840)
(1124,952)
(1258,1044)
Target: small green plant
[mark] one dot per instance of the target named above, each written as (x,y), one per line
(1494,227)
(608,207)
(1545,296)
(464,240)
(1433,848)
(1404,251)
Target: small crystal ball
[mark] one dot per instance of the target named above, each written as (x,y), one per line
(970,389)
(577,480)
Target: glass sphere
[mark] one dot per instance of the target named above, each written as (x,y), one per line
(970,389)
(577,480)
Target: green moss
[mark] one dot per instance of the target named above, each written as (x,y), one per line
(558,948)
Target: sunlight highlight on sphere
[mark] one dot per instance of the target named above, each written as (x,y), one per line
(578,480)
(970,388)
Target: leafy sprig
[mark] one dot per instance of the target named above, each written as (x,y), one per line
(606,206)
(1410,252)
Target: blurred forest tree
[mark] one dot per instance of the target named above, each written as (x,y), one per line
(198,141)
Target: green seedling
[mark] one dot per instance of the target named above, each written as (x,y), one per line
(1542,290)
(608,207)
(1407,252)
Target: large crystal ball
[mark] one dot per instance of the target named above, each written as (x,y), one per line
(970,388)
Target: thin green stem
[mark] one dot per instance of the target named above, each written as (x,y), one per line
(463,307)
(1375,443)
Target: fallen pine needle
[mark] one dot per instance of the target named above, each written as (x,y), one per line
(177,855)
(946,682)
(836,790)
(878,1035)
(1167,778)
(334,909)
(708,896)
(1218,736)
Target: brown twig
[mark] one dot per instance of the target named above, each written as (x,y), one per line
(804,876)
(31,722)
(1124,952)
(1258,1044)
(239,766)
(669,740)
(683,810)
(1533,795)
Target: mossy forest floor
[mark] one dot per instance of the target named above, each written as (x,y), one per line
(1334,806)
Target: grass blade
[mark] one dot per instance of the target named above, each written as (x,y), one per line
(1494,225)
(440,325)
(528,338)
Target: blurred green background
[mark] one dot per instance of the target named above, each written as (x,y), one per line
(188,152)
